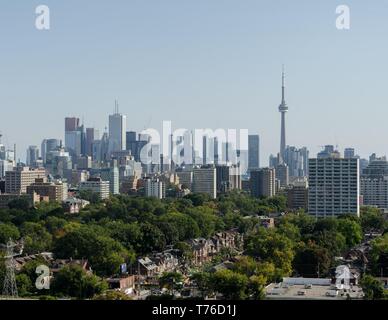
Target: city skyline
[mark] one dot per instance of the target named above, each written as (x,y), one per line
(223,74)
(214,151)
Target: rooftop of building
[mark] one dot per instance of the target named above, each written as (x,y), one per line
(311,289)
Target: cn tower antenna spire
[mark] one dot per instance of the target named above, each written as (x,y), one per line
(283,108)
(283,86)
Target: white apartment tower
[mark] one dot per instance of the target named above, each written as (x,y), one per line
(96,185)
(155,188)
(334,187)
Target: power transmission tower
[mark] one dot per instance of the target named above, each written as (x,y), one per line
(10,289)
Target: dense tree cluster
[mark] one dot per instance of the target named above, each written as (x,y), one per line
(109,233)
(115,231)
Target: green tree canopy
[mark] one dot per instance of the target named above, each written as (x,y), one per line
(372,219)
(312,261)
(372,288)
(379,256)
(270,246)
(103,253)
(36,238)
(8,231)
(73,281)
(232,285)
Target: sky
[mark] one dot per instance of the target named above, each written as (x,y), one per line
(201,64)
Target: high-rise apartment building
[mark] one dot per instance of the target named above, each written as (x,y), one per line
(185,178)
(155,188)
(112,175)
(282,174)
(205,180)
(334,186)
(374,183)
(18,180)
(228,178)
(263,182)
(297,195)
(96,185)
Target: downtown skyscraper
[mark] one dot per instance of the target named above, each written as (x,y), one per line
(117,130)
(253,152)
(74,137)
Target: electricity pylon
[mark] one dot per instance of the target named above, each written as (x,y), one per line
(10,289)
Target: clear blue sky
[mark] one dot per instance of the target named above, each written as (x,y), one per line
(199,63)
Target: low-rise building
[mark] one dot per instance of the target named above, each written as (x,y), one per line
(311,289)
(54,191)
(96,185)
(204,250)
(74,205)
(147,267)
(266,222)
(125,283)
(55,265)
(6,198)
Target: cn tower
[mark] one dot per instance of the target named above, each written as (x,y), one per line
(283,108)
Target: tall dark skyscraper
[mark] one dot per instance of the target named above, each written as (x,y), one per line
(283,108)
(74,137)
(131,139)
(253,152)
(71,124)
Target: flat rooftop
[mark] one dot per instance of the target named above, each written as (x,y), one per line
(284,291)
